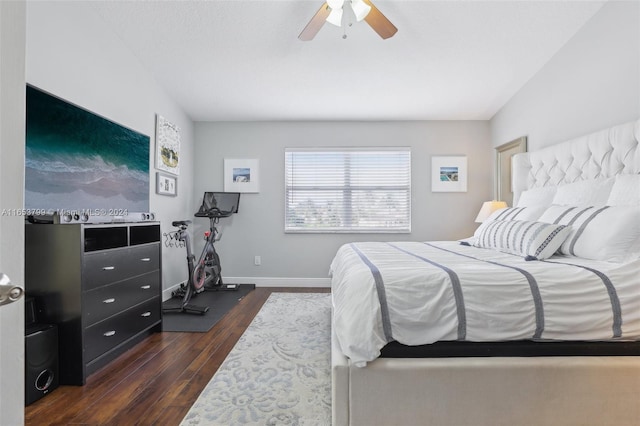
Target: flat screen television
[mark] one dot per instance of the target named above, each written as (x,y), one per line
(219,204)
(78,161)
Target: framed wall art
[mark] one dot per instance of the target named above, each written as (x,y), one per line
(167,146)
(241,175)
(166,184)
(449,174)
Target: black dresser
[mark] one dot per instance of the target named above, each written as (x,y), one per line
(100,284)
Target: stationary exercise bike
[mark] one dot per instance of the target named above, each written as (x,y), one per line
(207,274)
(189,289)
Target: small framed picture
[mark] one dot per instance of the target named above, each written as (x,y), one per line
(241,175)
(449,174)
(166,184)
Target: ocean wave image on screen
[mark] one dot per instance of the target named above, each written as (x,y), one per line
(77,160)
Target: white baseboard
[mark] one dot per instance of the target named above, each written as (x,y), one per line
(263,282)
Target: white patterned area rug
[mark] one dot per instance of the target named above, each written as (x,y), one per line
(279,371)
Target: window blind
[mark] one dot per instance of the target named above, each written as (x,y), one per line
(348,190)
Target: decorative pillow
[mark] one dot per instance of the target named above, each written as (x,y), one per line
(609,233)
(625,191)
(511,213)
(533,240)
(593,192)
(536,197)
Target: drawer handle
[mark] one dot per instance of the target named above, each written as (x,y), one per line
(108,268)
(145,287)
(146,314)
(109,333)
(145,259)
(109,300)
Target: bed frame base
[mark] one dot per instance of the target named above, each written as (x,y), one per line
(487,391)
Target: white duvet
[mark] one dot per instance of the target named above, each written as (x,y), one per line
(419,293)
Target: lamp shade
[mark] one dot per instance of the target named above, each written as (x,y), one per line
(489,207)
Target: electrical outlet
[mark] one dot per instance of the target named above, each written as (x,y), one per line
(257,261)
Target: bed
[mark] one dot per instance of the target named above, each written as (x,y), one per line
(533,320)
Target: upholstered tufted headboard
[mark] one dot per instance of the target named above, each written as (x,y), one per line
(602,154)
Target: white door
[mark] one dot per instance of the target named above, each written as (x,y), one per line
(12,120)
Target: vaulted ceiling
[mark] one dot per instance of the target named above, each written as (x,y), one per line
(242,60)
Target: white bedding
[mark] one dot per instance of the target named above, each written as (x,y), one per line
(419,293)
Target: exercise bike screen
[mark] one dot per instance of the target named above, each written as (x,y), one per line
(226,202)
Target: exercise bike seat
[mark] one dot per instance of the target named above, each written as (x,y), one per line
(180,222)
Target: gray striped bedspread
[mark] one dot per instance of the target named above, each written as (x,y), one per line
(422,292)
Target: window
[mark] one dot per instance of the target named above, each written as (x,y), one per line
(348,190)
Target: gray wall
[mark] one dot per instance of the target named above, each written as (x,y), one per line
(71,53)
(592,83)
(299,259)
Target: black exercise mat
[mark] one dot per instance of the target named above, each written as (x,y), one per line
(219,303)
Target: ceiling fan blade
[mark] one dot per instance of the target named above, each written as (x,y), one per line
(379,22)
(315,23)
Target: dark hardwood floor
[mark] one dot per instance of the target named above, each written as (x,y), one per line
(155,382)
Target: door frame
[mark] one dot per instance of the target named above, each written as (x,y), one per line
(12,148)
(504,186)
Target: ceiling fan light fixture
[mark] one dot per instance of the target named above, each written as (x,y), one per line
(335,17)
(360,9)
(332,11)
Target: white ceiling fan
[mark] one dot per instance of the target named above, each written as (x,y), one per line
(331,11)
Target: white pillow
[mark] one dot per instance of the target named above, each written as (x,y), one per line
(609,233)
(593,192)
(533,240)
(625,191)
(534,197)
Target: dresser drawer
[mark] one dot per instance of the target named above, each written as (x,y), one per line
(105,335)
(105,267)
(102,302)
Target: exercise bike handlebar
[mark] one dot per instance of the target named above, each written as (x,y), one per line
(214,212)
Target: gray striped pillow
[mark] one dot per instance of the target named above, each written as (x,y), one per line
(610,233)
(533,240)
(511,213)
